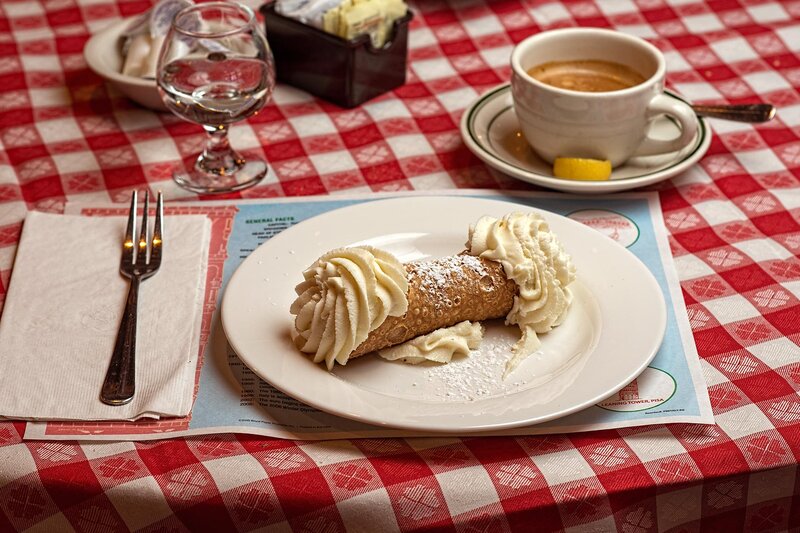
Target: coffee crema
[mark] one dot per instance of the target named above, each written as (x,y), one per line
(586,75)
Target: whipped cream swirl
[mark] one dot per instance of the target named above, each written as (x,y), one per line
(345,294)
(533,257)
(438,346)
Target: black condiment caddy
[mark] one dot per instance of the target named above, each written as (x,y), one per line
(346,73)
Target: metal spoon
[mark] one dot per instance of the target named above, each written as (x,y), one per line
(738,113)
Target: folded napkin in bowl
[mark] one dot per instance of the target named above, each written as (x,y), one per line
(63,309)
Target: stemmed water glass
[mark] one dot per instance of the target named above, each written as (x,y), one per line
(216,68)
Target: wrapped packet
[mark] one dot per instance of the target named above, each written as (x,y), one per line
(142,41)
(309,12)
(347,19)
(392,10)
(350,20)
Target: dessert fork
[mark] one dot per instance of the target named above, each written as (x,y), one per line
(137,265)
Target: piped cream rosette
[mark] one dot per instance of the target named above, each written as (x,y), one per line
(533,257)
(346,294)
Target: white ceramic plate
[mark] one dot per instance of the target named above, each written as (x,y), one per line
(611,333)
(490,130)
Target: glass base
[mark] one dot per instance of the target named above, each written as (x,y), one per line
(248,174)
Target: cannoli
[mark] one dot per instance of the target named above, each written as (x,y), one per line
(444,292)
(358,300)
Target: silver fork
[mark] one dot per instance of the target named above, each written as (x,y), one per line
(120,383)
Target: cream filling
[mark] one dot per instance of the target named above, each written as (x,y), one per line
(439,346)
(533,258)
(345,295)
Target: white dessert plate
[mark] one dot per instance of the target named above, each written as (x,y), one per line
(613,330)
(491,131)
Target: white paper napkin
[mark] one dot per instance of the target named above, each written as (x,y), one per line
(63,309)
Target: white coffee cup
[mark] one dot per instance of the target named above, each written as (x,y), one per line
(598,125)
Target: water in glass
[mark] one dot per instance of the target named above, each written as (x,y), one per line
(215,69)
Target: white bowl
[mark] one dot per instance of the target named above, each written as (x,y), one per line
(103,55)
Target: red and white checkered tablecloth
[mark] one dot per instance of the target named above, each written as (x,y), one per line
(733,223)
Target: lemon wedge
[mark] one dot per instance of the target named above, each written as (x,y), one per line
(574,168)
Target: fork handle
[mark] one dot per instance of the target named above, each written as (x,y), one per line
(120,383)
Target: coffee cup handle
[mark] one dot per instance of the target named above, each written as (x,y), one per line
(678,110)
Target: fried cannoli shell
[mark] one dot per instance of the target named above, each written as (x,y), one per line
(442,293)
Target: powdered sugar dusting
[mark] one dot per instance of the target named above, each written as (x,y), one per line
(478,376)
(434,276)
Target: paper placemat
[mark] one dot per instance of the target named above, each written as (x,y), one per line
(232,399)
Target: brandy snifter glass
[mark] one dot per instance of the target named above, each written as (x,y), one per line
(215,69)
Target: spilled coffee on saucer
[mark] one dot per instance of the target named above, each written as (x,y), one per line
(590,75)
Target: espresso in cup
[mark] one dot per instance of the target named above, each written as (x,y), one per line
(593,93)
(588,75)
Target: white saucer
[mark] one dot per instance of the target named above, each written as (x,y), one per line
(490,130)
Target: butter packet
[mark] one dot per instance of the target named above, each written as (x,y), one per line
(347,19)
(359,19)
(392,10)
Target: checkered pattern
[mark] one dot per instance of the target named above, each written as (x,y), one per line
(733,223)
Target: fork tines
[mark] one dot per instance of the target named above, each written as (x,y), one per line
(143,240)
(128,249)
(147,251)
(155,248)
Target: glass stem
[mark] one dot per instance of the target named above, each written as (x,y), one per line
(218,157)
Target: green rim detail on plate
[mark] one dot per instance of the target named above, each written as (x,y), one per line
(491,123)
(507,87)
